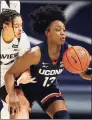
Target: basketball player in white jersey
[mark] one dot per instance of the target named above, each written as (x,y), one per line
(23,40)
(11,49)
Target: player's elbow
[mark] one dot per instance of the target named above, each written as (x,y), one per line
(8,76)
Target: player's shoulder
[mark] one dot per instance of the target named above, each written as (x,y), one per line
(34,54)
(35,51)
(24,34)
(24,41)
(24,37)
(43,46)
(40,45)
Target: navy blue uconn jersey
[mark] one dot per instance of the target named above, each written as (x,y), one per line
(47,70)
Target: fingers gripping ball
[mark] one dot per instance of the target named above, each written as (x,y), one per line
(76,59)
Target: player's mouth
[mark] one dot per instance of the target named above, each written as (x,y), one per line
(19,33)
(62,38)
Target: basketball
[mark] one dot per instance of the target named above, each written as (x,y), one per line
(76,59)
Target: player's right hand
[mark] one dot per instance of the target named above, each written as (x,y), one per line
(14,105)
(25,80)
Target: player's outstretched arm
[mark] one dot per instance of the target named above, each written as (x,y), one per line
(23,63)
(31,57)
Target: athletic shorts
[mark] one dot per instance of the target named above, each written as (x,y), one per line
(3,92)
(1,105)
(43,96)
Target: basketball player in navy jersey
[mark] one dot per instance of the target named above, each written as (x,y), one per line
(45,62)
(11,48)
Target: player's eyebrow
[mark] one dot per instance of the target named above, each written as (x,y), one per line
(60,26)
(18,24)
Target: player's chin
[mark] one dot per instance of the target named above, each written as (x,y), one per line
(61,42)
(18,36)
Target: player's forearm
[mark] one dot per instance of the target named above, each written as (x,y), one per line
(9,83)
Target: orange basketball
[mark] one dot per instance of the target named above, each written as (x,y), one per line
(76,59)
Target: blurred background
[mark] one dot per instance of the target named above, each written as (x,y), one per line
(77,92)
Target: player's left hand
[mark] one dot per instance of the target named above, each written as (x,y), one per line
(14,103)
(87,74)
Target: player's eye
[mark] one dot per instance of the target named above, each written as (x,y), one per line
(16,26)
(57,29)
(64,30)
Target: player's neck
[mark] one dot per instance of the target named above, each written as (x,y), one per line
(6,38)
(54,51)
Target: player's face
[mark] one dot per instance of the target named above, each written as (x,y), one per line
(17,24)
(56,32)
(9,32)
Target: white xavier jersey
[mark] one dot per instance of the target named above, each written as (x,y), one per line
(10,52)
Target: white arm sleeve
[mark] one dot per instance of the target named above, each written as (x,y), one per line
(24,44)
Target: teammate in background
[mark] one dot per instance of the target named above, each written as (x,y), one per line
(45,62)
(12,48)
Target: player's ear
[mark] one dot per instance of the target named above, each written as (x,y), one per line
(4,26)
(46,32)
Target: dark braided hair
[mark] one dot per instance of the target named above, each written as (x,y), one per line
(7,16)
(43,16)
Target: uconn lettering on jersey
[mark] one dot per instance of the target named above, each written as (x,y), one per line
(50,72)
